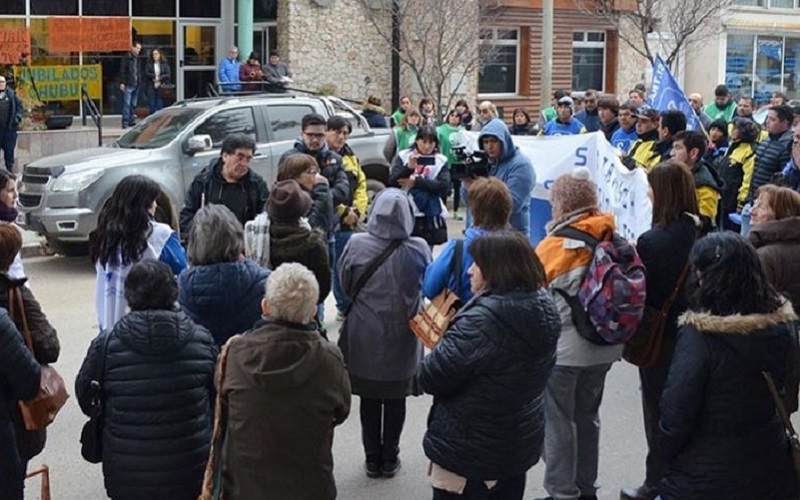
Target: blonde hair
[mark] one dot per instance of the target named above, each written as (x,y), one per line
(292,292)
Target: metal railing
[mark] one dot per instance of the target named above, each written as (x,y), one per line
(97,117)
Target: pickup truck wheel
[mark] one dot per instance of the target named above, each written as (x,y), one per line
(373,188)
(69,248)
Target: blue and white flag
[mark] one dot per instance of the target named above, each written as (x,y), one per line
(666,93)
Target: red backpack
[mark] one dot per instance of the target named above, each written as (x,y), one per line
(610,303)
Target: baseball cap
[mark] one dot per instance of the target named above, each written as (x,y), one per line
(566,100)
(647,112)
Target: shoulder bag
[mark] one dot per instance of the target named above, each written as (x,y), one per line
(92,432)
(372,267)
(644,348)
(40,411)
(432,321)
(791,434)
(212,478)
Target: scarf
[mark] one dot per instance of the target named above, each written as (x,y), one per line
(8,214)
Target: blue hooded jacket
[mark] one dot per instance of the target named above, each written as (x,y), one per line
(515,170)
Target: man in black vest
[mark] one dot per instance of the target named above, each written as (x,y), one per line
(10,115)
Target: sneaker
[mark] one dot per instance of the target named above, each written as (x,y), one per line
(373,469)
(640,493)
(390,468)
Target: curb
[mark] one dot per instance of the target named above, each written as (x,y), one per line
(35,249)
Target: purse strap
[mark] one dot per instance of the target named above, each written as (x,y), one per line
(15,303)
(787,423)
(212,478)
(666,306)
(456,263)
(372,267)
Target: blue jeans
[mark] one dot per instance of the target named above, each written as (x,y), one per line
(340,241)
(130,99)
(156,102)
(8,143)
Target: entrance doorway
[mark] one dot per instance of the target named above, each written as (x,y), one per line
(197,65)
(265,38)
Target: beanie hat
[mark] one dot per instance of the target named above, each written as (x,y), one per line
(572,193)
(288,202)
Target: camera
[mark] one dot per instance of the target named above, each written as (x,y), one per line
(470,163)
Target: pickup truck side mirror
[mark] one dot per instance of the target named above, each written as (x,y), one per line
(198,143)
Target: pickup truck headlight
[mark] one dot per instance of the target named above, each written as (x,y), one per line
(77,181)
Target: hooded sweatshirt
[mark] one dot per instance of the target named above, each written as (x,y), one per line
(286,389)
(515,170)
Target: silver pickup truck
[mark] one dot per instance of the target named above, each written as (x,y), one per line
(60,196)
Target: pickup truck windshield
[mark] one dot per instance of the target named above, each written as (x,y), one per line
(159,129)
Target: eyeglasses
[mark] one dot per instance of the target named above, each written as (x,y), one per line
(485,111)
(243,157)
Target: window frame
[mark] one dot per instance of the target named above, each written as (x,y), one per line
(584,43)
(240,109)
(767,5)
(270,112)
(505,43)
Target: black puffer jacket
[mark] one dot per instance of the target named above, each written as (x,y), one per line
(487,376)
(159,371)
(721,434)
(772,155)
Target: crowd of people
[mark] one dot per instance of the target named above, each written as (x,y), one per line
(213,369)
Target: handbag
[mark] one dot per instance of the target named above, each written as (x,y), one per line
(791,434)
(212,478)
(92,432)
(40,411)
(432,321)
(167,93)
(644,348)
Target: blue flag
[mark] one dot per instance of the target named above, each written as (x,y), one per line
(665,94)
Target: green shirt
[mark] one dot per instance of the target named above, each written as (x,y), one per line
(397,116)
(549,114)
(726,113)
(404,138)
(449,137)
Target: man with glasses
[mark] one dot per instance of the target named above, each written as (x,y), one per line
(228,71)
(643,153)
(590,116)
(228,181)
(10,115)
(486,113)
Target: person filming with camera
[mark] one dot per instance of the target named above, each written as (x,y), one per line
(510,165)
(422,171)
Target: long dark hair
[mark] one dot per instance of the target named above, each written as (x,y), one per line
(507,262)
(124,222)
(673,192)
(727,277)
(429,133)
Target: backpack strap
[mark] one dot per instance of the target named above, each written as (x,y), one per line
(576,234)
(457,263)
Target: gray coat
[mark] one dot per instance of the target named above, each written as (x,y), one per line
(376,341)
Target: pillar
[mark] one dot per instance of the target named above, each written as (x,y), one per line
(244,40)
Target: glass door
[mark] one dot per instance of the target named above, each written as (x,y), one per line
(265,38)
(198,61)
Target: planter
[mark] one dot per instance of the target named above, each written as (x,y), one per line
(58,122)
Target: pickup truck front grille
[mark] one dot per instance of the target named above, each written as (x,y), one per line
(35,179)
(30,200)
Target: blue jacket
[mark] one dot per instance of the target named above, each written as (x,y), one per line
(792,176)
(225,298)
(516,171)
(623,139)
(437,275)
(229,72)
(590,120)
(556,127)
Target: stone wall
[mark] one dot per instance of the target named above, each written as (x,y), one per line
(336,46)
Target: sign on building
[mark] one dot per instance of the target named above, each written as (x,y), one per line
(14,43)
(61,83)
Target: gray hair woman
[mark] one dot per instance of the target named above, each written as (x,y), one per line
(221,290)
(295,422)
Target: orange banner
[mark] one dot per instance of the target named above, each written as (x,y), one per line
(13,43)
(88,34)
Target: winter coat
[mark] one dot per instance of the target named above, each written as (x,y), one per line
(590,119)
(643,152)
(721,436)
(15,112)
(623,139)
(431,185)
(130,71)
(245,198)
(608,129)
(665,252)
(727,113)
(46,349)
(293,243)
(286,388)
(736,172)
(526,129)
(401,138)
(557,127)
(19,380)
(275,73)
(778,244)
(437,275)
(251,73)
(791,176)
(375,115)
(771,157)
(708,187)
(225,298)
(516,171)
(566,266)
(487,376)
(228,75)
(164,74)
(375,339)
(357,180)
(158,387)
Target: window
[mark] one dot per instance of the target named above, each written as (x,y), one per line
(105,8)
(195,8)
(499,53)
(588,60)
(54,7)
(284,121)
(10,7)
(153,8)
(758,65)
(232,121)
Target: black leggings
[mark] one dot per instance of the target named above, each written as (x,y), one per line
(381,425)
